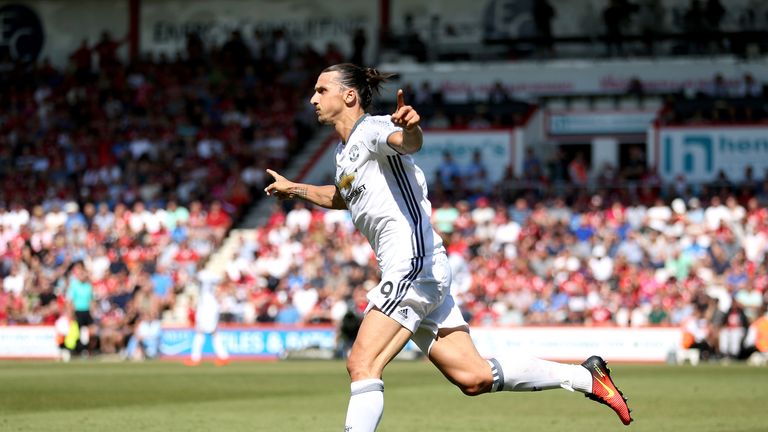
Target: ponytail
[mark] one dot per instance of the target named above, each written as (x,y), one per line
(367,81)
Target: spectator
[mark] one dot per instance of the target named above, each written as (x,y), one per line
(651,18)
(718,88)
(748,87)
(499,94)
(476,175)
(359,42)
(696,332)
(145,341)
(616,16)
(411,42)
(543,14)
(695,26)
(449,174)
(578,171)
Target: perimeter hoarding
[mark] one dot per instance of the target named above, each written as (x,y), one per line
(250,342)
(647,344)
(28,342)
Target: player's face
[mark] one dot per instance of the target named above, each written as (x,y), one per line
(328,99)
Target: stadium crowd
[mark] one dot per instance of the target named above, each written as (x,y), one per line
(596,258)
(119,181)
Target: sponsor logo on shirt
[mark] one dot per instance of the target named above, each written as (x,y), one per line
(355,193)
(345,181)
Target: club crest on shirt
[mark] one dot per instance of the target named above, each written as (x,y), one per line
(354,153)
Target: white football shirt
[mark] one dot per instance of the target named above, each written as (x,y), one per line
(386,194)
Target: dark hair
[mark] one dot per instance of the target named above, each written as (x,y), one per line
(365,80)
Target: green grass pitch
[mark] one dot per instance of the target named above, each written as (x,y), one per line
(312,396)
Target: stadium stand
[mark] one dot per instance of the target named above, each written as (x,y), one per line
(139,170)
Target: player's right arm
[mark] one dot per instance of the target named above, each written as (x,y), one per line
(327,196)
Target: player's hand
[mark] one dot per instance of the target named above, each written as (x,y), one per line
(280,187)
(405,116)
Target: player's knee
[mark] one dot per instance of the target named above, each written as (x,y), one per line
(474,383)
(359,368)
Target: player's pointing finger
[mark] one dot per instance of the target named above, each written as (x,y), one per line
(274,175)
(400,99)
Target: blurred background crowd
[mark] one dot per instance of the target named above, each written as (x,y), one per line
(120,179)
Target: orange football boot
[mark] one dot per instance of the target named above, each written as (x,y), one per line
(604,390)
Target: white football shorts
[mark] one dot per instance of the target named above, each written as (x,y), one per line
(417,294)
(207,319)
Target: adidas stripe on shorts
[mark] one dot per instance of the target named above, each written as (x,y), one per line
(417,295)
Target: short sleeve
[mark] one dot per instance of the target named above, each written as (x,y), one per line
(381,128)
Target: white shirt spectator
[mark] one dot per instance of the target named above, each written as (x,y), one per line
(137,220)
(15,219)
(153,221)
(14,283)
(636,215)
(140,147)
(482,215)
(298,219)
(277,145)
(304,300)
(361,251)
(462,277)
(639,315)
(736,213)
(600,264)
(252,176)
(104,220)
(340,217)
(714,215)
(97,266)
(507,233)
(658,217)
(55,219)
(207,147)
(755,246)
(720,293)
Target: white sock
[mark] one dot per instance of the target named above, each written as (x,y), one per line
(218,347)
(365,406)
(524,373)
(197,346)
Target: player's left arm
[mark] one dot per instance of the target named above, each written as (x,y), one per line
(411,138)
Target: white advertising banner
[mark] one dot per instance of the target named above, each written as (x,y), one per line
(599,123)
(165,24)
(497,148)
(28,342)
(648,344)
(700,153)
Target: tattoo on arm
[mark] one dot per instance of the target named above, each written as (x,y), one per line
(299,191)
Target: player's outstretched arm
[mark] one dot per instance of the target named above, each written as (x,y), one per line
(410,139)
(327,196)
